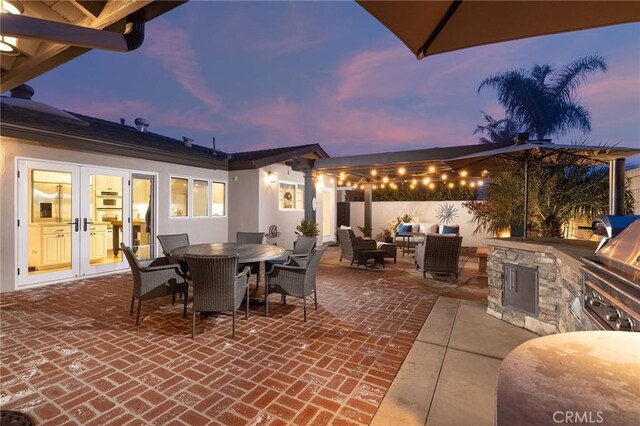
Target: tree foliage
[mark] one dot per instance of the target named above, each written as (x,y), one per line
(562,188)
(542,100)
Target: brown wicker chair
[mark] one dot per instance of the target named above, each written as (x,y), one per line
(154,278)
(172,241)
(301,249)
(294,280)
(351,245)
(251,238)
(439,254)
(217,286)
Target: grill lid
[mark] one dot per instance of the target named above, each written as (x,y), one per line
(622,252)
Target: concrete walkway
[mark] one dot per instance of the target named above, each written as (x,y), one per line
(449,376)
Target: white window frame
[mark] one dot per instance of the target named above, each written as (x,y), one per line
(188,215)
(296,197)
(226,197)
(192,186)
(280,208)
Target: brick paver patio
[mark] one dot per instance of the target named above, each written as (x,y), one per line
(71,354)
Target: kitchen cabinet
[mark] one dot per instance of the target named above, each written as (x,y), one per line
(50,245)
(97,242)
(107,183)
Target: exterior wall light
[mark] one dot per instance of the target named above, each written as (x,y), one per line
(9,45)
(271,177)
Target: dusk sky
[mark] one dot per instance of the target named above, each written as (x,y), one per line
(269,74)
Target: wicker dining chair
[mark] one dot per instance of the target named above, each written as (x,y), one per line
(297,281)
(301,249)
(217,286)
(251,238)
(172,241)
(154,278)
(351,245)
(439,254)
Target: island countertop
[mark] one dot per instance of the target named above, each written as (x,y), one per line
(594,375)
(569,250)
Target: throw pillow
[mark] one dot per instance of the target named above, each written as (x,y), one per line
(404,228)
(429,228)
(453,229)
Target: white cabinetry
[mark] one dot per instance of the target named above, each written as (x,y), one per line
(107,183)
(50,245)
(97,242)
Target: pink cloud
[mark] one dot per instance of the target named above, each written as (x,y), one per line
(170,45)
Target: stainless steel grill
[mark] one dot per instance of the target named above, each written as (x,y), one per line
(611,278)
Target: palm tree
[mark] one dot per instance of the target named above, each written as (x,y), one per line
(544,100)
(498,131)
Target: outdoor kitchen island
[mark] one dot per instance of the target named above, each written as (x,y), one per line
(536,283)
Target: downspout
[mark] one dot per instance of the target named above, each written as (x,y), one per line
(28,27)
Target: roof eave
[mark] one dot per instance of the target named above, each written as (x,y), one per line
(63,140)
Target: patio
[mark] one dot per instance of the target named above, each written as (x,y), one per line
(71,353)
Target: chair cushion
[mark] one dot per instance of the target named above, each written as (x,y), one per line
(450,229)
(405,228)
(428,228)
(344,227)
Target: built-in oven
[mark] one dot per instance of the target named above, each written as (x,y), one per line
(108,200)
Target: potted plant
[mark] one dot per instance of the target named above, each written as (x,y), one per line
(387,233)
(308,228)
(366,231)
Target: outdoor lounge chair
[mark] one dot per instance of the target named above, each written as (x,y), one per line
(439,254)
(154,278)
(217,286)
(351,245)
(297,281)
(301,249)
(251,238)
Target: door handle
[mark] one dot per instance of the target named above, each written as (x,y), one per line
(76,222)
(85,222)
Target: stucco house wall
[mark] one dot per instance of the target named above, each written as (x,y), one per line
(633,174)
(200,230)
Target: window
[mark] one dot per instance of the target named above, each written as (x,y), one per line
(217,199)
(300,196)
(287,196)
(200,194)
(179,197)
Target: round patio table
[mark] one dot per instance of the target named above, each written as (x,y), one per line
(247,253)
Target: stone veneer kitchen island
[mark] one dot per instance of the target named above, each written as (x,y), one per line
(559,295)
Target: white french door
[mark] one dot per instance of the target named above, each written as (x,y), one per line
(69,219)
(105,219)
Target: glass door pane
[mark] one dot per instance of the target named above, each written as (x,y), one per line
(48,208)
(105,219)
(142,208)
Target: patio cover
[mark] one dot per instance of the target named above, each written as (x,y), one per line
(524,152)
(432,27)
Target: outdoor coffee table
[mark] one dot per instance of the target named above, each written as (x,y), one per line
(364,256)
(406,239)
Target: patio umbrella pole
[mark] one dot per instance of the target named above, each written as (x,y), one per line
(526,197)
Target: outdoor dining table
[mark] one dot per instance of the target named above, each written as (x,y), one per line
(247,253)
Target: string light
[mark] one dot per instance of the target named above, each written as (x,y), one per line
(401,171)
(472,184)
(342,175)
(463,182)
(451,185)
(382,186)
(385,179)
(480,183)
(432,169)
(432,186)
(444,176)
(426,181)
(463,173)
(374,172)
(414,181)
(412,186)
